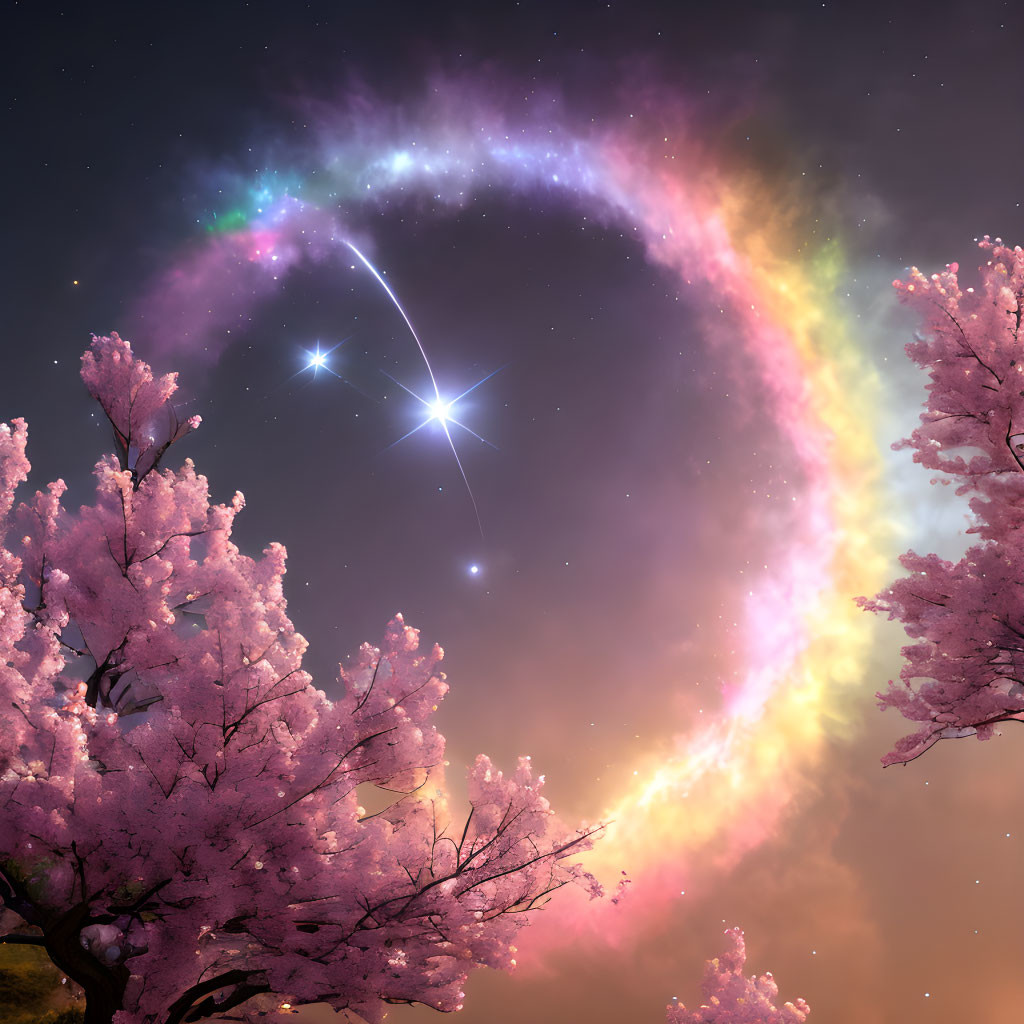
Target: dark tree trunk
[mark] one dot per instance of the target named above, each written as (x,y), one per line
(103,985)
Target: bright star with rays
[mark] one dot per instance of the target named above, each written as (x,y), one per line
(440,410)
(318,360)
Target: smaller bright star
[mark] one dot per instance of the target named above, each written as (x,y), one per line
(474,570)
(316,360)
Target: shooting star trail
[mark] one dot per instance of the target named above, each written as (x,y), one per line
(439,408)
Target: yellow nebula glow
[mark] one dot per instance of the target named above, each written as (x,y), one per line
(721,787)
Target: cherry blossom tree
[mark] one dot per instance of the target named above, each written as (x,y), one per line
(180,808)
(730,998)
(964,674)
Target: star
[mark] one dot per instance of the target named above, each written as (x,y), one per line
(440,409)
(318,359)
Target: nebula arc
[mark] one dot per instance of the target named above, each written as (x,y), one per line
(725,782)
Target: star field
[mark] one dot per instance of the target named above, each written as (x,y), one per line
(611,524)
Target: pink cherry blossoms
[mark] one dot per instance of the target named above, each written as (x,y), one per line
(730,998)
(180,808)
(963,675)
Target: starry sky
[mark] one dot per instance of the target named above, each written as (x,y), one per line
(661,238)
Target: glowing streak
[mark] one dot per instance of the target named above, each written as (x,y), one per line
(405,316)
(438,407)
(468,391)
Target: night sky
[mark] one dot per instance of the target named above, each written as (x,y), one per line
(669,231)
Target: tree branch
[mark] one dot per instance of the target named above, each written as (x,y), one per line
(181,1009)
(24,940)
